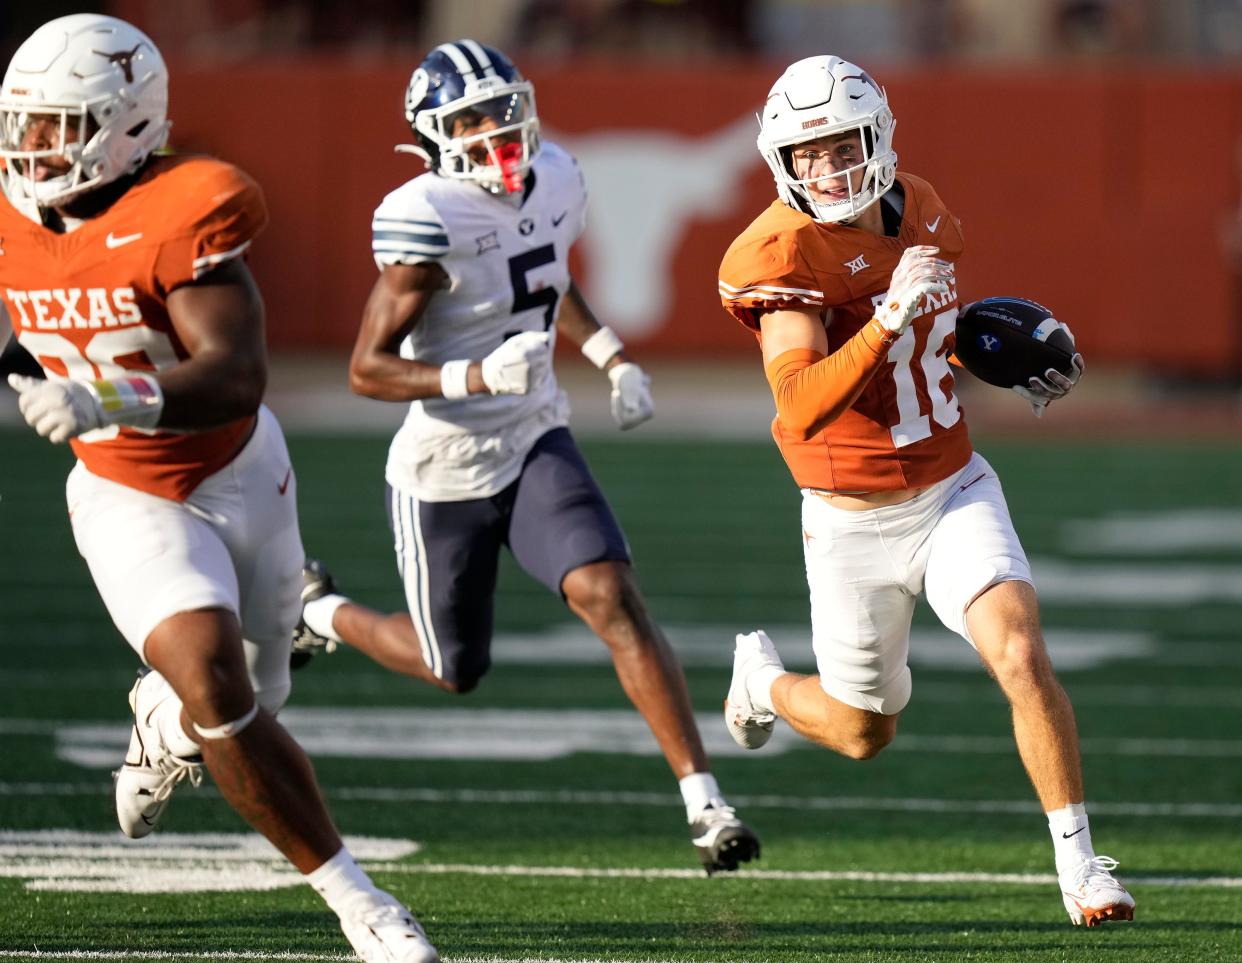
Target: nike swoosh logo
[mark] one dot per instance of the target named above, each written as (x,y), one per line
(284,485)
(1074,833)
(932,225)
(113,241)
(556,221)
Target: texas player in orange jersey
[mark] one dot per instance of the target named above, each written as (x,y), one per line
(849,283)
(123,275)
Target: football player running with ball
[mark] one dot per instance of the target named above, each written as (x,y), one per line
(474,288)
(123,274)
(848,283)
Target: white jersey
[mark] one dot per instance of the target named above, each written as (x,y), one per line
(508,268)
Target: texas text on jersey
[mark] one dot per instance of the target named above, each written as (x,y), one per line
(508,268)
(906,428)
(91,304)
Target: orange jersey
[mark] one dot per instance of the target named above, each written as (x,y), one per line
(905,429)
(92,303)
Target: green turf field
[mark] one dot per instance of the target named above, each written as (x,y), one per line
(547,835)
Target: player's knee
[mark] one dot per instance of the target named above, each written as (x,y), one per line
(603,594)
(866,745)
(215,688)
(1020,661)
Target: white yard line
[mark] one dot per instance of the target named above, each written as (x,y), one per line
(573,797)
(284,957)
(160,955)
(854,876)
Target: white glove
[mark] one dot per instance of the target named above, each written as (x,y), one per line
(519,364)
(918,273)
(631,395)
(1039,393)
(1043,391)
(57,410)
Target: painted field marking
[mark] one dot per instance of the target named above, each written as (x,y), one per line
(1166,533)
(70,861)
(180,955)
(571,643)
(543,734)
(125,955)
(802,876)
(350,685)
(574,797)
(80,862)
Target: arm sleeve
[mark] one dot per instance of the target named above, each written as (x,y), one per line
(407,230)
(224,212)
(812,390)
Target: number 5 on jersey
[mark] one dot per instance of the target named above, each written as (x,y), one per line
(524,299)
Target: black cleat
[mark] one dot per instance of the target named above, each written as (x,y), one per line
(317,582)
(721,839)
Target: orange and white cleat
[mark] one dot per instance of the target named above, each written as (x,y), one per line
(1092,896)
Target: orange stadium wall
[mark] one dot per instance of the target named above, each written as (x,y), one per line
(1103,194)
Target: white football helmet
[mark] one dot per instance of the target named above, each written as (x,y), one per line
(100,87)
(469,78)
(821,96)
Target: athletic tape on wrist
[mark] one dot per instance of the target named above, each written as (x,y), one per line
(135,400)
(601,346)
(229,729)
(454,381)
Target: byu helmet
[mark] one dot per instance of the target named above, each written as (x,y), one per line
(466,79)
(87,76)
(821,96)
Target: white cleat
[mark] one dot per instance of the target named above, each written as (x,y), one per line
(381,930)
(150,774)
(1092,896)
(721,839)
(750,727)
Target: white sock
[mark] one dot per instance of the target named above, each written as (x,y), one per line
(318,615)
(759,686)
(167,718)
(341,882)
(697,790)
(1071,836)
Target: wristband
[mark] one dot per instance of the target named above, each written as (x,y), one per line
(453,379)
(135,400)
(601,346)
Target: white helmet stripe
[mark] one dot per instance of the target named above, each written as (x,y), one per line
(476,49)
(458,56)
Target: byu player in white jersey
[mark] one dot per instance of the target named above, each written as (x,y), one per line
(474,288)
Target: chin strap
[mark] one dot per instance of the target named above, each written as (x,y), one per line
(415,150)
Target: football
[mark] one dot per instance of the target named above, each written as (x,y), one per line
(1007,341)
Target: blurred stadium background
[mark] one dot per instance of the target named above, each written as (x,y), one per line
(1092,149)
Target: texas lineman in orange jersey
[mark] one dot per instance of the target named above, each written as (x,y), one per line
(123,274)
(849,282)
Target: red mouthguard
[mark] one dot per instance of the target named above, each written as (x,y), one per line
(510,156)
